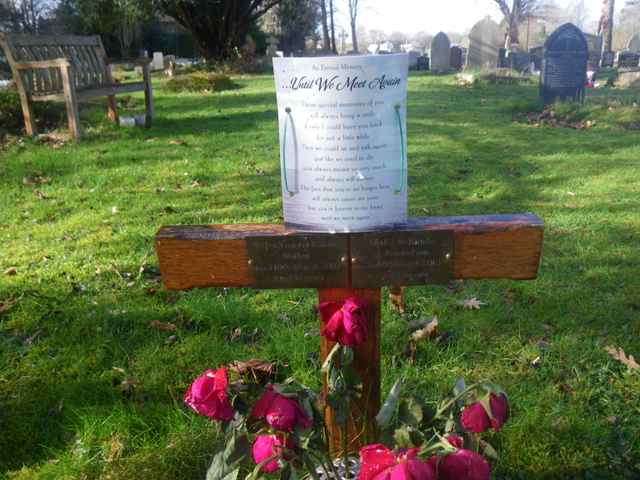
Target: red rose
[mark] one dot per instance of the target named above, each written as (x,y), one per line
(474,418)
(207,395)
(499,409)
(280,412)
(463,464)
(269,446)
(455,441)
(377,462)
(345,322)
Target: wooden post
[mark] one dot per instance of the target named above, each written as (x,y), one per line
(423,251)
(71,101)
(361,427)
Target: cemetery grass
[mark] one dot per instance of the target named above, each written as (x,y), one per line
(90,388)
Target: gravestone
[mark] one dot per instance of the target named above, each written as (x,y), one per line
(634,43)
(519,61)
(564,67)
(413,59)
(423,63)
(485,41)
(628,60)
(158,61)
(440,53)
(594,43)
(455,58)
(537,53)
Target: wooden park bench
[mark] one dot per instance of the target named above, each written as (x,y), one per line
(70,69)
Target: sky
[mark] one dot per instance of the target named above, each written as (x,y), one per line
(410,16)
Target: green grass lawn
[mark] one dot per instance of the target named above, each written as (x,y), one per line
(74,321)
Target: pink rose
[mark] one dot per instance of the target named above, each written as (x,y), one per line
(207,395)
(377,462)
(345,322)
(463,464)
(268,446)
(280,412)
(455,441)
(475,419)
(499,409)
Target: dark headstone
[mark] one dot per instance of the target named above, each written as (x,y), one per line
(564,67)
(502,58)
(628,60)
(608,59)
(537,53)
(519,61)
(440,53)
(423,63)
(456,61)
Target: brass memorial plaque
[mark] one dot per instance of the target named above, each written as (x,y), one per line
(299,261)
(401,258)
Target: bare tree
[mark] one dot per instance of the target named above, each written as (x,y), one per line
(605,27)
(24,15)
(354,5)
(515,13)
(326,40)
(334,49)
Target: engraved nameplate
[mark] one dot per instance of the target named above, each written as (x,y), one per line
(299,261)
(401,258)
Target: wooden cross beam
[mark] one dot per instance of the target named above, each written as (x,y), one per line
(428,250)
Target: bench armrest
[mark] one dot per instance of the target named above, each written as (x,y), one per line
(137,61)
(56,63)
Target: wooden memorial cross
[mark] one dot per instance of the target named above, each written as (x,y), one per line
(428,250)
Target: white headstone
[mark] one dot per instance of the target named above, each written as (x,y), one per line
(485,41)
(440,53)
(343,141)
(158,61)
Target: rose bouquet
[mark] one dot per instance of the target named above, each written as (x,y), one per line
(278,425)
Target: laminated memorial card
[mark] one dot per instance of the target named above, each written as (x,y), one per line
(343,145)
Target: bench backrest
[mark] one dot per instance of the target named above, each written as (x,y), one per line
(86,55)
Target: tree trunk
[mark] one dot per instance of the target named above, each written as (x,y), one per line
(326,41)
(354,36)
(606,24)
(333,29)
(353,14)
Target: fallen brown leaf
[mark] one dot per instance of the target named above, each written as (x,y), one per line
(621,356)
(471,304)
(429,332)
(11,271)
(162,326)
(253,367)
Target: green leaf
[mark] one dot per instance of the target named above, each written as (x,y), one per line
(410,412)
(402,437)
(220,469)
(488,450)
(385,415)
(346,356)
